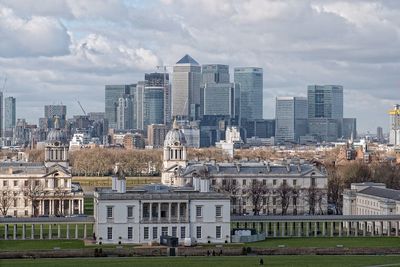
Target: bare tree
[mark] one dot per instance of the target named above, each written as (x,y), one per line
(335,189)
(34,191)
(7,198)
(61,194)
(314,197)
(256,191)
(285,192)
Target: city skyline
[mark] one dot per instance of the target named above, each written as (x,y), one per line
(77,48)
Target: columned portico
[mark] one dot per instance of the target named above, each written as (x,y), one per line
(325,225)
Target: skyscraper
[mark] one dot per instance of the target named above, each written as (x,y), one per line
(219,99)
(325,111)
(214,73)
(125,113)
(379,134)
(186,88)
(1,114)
(112,95)
(161,80)
(251,92)
(9,115)
(325,101)
(394,134)
(51,111)
(291,118)
(153,106)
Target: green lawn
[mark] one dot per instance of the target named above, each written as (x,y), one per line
(88,206)
(329,242)
(297,261)
(40,244)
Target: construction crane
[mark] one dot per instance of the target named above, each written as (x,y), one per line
(79,103)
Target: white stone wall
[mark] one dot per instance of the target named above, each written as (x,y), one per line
(120,222)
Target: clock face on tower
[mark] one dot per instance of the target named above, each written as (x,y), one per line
(176,143)
(56,143)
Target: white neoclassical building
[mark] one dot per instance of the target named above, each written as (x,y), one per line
(309,183)
(34,189)
(144,214)
(372,199)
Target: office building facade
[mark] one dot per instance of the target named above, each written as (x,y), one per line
(250,81)
(112,95)
(161,80)
(153,106)
(10,118)
(291,118)
(186,88)
(214,73)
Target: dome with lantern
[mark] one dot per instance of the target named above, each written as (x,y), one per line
(57,136)
(175,136)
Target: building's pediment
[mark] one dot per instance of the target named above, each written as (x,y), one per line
(57,170)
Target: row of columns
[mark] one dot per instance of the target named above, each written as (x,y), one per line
(61,207)
(178,208)
(324,228)
(42,230)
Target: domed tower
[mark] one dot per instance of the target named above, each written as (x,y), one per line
(56,149)
(175,157)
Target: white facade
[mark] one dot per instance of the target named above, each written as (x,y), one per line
(33,189)
(78,141)
(371,199)
(141,216)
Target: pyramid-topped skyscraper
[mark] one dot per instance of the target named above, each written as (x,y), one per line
(186,89)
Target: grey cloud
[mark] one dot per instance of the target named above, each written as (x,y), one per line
(353,43)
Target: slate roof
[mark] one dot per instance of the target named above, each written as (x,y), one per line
(253,168)
(22,168)
(157,192)
(382,192)
(187,60)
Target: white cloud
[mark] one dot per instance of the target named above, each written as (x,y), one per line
(353,43)
(35,36)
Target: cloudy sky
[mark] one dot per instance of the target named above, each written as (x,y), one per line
(61,50)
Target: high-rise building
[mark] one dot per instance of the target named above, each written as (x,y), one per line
(137,94)
(250,81)
(186,88)
(153,106)
(112,95)
(325,101)
(379,134)
(125,113)
(156,134)
(9,115)
(52,111)
(394,135)
(291,118)
(219,99)
(325,107)
(349,128)
(214,73)
(161,80)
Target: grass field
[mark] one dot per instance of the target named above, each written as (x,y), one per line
(88,206)
(324,242)
(40,244)
(269,243)
(298,261)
